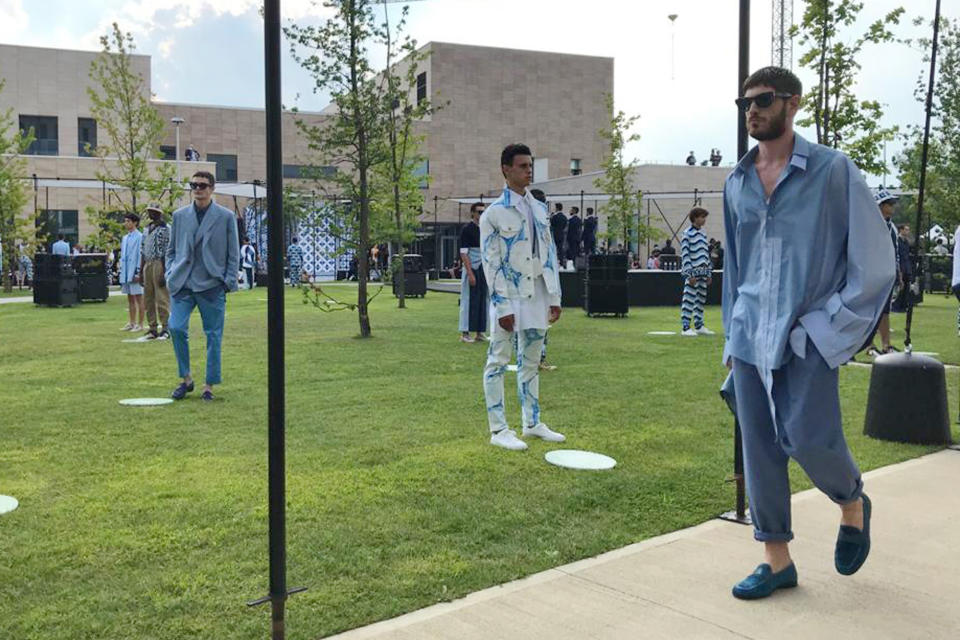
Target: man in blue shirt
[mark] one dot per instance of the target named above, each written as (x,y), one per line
(61,247)
(808,269)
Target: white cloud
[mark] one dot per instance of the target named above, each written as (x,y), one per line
(13,19)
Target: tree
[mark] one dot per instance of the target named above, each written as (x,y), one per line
(15,228)
(354,137)
(134,129)
(942,188)
(617,181)
(842,121)
(403,157)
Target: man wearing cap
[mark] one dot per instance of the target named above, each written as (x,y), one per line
(156,297)
(202,265)
(807,273)
(886,201)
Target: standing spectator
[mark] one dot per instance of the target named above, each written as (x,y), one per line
(691,159)
(77,249)
(61,247)
(544,365)
(653,262)
(521,265)
(808,276)
(156,297)
(696,271)
(716,255)
(590,233)
(295,262)
(886,201)
(248,258)
(558,227)
(203,260)
(473,284)
(574,229)
(130,280)
(668,249)
(906,268)
(955,281)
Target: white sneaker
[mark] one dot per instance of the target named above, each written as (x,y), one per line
(127,327)
(690,333)
(543,432)
(507,439)
(703,331)
(136,327)
(466,339)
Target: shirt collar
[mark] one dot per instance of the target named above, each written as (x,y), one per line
(511,198)
(204,210)
(801,151)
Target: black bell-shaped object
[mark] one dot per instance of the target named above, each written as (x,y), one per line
(908,400)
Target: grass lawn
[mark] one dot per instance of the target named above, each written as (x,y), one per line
(152,523)
(26,292)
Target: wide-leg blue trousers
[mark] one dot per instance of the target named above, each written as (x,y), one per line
(808,429)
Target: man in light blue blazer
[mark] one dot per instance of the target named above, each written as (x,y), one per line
(202,263)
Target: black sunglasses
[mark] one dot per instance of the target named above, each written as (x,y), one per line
(199,186)
(763,100)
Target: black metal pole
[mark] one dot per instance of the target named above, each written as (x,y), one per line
(923,173)
(742,73)
(275,333)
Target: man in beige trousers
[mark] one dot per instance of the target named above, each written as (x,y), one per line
(156,297)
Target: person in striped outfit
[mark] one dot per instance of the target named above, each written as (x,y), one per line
(695,267)
(295,262)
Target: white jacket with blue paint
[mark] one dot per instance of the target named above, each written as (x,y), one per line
(508,263)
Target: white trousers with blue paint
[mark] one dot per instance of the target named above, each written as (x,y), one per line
(529,346)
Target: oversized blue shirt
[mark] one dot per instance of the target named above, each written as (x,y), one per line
(814,260)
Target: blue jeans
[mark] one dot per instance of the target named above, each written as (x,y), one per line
(212,304)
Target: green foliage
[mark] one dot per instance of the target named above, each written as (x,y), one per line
(842,120)
(617,181)
(942,188)
(133,131)
(15,228)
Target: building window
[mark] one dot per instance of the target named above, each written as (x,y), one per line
(44,132)
(168,152)
(52,222)
(226,166)
(307,171)
(575,166)
(421,87)
(423,169)
(86,137)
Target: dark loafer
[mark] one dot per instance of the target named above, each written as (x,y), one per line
(180,392)
(853,545)
(762,582)
(207,396)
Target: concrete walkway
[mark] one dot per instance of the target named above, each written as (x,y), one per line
(113,291)
(677,586)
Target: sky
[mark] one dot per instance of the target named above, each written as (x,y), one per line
(679,77)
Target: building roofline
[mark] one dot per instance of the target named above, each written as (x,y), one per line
(66,49)
(480,46)
(192,105)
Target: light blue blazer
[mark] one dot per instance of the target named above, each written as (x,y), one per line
(218,241)
(130,256)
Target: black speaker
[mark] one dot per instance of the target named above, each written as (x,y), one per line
(92,287)
(414,284)
(47,265)
(413,263)
(55,293)
(608,296)
(90,263)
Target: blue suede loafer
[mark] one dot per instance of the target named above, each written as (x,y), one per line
(762,582)
(853,545)
(181,391)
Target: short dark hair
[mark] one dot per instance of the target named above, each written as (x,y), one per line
(59,236)
(474,206)
(539,195)
(246,239)
(132,216)
(511,151)
(696,212)
(589,210)
(782,80)
(574,210)
(207,175)
(559,206)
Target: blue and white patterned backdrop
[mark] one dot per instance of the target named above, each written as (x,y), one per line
(319,247)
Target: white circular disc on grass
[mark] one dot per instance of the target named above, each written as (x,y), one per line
(140,339)
(8,504)
(661,333)
(512,367)
(145,402)
(576,459)
(926,353)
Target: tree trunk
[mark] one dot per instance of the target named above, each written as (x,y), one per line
(825,78)
(363,261)
(401,276)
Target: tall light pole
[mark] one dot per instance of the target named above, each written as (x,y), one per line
(177,121)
